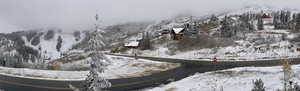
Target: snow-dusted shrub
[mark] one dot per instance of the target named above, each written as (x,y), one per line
(196,42)
(258,85)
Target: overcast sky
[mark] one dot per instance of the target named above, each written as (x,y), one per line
(79,14)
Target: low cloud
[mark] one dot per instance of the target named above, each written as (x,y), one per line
(79,14)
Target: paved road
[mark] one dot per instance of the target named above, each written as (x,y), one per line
(9,83)
(188,67)
(205,63)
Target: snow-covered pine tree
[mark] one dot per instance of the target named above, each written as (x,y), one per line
(297,19)
(214,20)
(282,17)
(260,24)
(95,80)
(276,20)
(226,28)
(59,43)
(288,16)
(145,44)
(258,85)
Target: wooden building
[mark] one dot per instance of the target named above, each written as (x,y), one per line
(177,33)
(267,19)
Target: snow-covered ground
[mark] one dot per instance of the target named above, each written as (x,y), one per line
(121,67)
(236,79)
(248,49)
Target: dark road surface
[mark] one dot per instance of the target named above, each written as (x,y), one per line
(9,83)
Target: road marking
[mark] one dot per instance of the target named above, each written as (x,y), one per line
(35,86)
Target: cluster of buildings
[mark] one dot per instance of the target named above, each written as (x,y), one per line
(174,33)
(179,32)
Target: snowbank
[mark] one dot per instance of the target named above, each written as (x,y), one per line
(237,79)
(121,67)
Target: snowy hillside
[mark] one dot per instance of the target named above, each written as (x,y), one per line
(48,46)
(37,46)
(253,33)
(235,35)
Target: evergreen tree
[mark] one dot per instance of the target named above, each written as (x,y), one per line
(258,85)
(294,16)
(95,80)
(99,62)
(260,24)
(59,43)
(246,25)
(282,20)
(297,20)
(214,20)
(226,28)
(282,17)
(288,16)
(145,44)
(296,87)
(276,20)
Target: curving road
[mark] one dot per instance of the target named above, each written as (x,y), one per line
(222,64)
(9,83)
(188,67)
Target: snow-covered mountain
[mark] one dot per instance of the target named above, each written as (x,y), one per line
(201,33)
(53,43)
(31,45)
(45,45)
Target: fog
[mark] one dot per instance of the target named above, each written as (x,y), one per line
(79,14)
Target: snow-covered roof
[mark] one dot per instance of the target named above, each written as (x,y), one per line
(132,43)
(178,30)
(137,37)
(266,15)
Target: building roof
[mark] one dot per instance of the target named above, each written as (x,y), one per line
(178,30)
(265,15)
(132,44)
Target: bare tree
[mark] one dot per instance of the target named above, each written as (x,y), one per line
(287,73)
